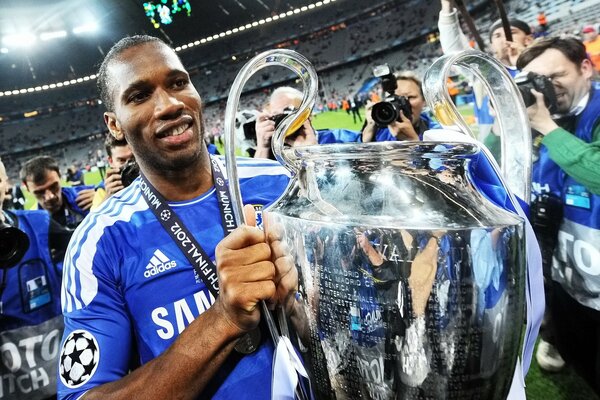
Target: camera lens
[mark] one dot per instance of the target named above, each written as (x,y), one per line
(13,245)
(384,113)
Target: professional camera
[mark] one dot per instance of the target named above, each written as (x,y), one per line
(14,243)
(129,171)
(388,111)
(250,127)
(530,80)
(546,213)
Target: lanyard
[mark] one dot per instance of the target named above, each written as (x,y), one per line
(177,230)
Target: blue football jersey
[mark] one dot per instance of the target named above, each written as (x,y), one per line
(127,288)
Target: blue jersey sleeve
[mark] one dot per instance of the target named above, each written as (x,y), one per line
(97,340)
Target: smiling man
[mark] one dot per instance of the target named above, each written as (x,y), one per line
(567,170)
(140,285)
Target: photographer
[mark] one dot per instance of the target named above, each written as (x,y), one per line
(66,205)
(282,101)
(567,171)
(405,127)
(32,247)
(119,153)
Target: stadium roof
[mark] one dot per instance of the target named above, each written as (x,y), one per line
(48,41)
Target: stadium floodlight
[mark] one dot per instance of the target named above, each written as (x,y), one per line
(91,27)
(53,35)
(19,40)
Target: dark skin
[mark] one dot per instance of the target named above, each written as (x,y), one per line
(158,111)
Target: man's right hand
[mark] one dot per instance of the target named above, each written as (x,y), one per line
(246,275)
(112,183)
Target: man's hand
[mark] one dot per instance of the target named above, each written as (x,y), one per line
(85,198)
(265,128)
(246,274)
(403,130)
(539,116)
(374,256)
(112,183)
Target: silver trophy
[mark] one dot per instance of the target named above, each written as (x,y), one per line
(411,281)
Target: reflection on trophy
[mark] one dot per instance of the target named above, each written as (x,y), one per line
(411,282)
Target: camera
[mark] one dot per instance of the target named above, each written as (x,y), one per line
(530,80)
(129,171)
(388,111)
(250,127)
(14,243)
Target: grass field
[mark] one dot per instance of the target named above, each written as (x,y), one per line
(564,385)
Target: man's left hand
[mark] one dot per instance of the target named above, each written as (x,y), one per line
(539,116)
(85,198)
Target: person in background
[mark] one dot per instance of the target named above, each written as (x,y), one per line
(119,153)
(591,40)
(566,173)
(409,86)
(282,100)
(66,205)
(74,176)
(30,318)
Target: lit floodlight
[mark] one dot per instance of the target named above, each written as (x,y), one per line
(15,92)
(86,78)
(7,93)
(311,6)
(255,23)
(261,21)
(93,76)
(23,91)
(58,84)
(185,46)
(79,80)
(19,40)
(196,43)
(202,41)
(222,34)
(268,19)
(73,81)
(296,11)
(37,88)
(53,35)
(91,27)
(66,83)
(234,30)
(303,8)
(289,13)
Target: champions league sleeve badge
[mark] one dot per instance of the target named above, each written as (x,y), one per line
(79,359)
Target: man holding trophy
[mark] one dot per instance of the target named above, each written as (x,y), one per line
(129,291)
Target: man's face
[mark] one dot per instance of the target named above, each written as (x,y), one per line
(498,41)
(570,82)
(47,191)
(119,156)
(306,135)
(156,107)
(410,90)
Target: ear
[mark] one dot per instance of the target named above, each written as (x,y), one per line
(587,69)
(528,40)
(113,125)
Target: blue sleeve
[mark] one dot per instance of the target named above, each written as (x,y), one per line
(97,340)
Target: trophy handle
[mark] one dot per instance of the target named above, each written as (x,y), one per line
(515,132)
(304,69)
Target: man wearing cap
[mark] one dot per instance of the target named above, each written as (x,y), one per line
(591,40)
(453,39)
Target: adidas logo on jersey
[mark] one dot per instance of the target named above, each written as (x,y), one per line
(158,263)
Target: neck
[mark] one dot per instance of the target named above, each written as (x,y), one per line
(184,184)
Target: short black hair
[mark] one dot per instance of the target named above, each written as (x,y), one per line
(36,168)
(114,52)
(571,47)
(111,142)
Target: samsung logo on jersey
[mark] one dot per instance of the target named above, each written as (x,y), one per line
(158,263)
